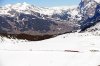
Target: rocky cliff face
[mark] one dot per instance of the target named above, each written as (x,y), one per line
(90,13)
(87,8)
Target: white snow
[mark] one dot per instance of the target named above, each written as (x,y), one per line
(83,42)
(28,9)
(73,49)
(64,7)
(52,52)
(98,1)
(43,58)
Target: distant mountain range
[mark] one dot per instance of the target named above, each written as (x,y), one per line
(25,19)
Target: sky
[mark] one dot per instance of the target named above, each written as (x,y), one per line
(43,3)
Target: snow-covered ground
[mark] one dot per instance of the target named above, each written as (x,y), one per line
(74,49)
(43,58)
(73,41)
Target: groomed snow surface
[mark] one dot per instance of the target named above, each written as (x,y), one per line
(74,49)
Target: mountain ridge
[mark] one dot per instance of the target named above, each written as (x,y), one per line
(32,20)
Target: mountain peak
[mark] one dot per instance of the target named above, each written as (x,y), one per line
(83,3)
(18,5)
(87,5)
(87,1)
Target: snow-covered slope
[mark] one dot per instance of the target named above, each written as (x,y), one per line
(75,49)
(71,49)
(43,58)
(94,28)
(64,7)
(82,42)
(20,7)
(98,1)
(28,9)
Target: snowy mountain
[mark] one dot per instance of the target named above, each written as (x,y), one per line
(90,13)
(87,7)
(25,21)
(21,7)
(23,18)
(28,8)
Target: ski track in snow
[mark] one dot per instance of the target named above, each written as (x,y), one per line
(74,49)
